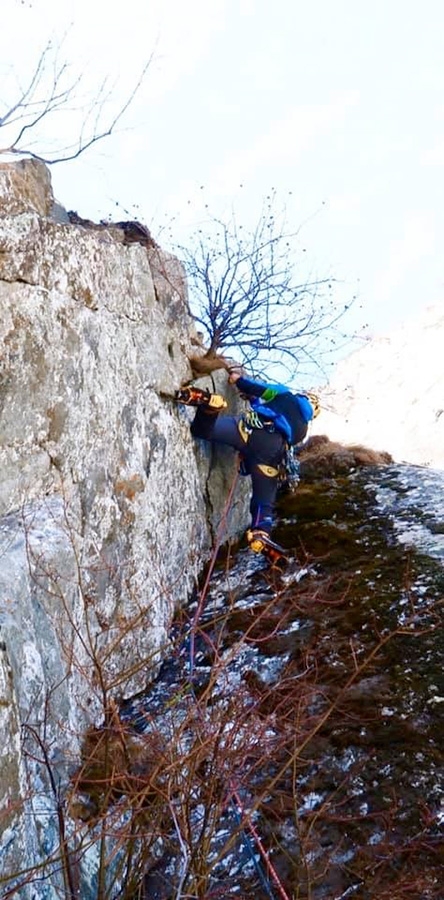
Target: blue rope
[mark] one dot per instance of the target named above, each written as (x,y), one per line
(248,844)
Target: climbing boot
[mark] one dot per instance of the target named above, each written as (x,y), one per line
(193,396)
(260,542)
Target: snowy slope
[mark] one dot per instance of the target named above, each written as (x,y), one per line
(389,395)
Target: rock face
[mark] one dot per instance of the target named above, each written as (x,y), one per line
(389,394)
(107,507)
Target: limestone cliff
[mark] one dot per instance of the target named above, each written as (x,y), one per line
(107,508)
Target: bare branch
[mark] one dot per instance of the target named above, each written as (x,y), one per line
(246,295)
(50,91)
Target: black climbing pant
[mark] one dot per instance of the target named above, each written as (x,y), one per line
(261,450)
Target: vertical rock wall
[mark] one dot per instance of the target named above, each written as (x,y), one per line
(107,508)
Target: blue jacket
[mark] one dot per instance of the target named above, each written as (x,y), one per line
(290,413)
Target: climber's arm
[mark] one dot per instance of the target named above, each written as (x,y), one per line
(259,389)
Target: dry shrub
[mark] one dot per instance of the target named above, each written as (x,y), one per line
(115,763)
(322,457)
(205,365)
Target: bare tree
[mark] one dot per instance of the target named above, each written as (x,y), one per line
(247,294)
(54,88)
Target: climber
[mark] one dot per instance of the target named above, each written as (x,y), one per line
(277,418)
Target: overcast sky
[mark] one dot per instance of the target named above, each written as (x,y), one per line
(338,105)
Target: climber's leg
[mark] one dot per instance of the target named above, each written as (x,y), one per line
(218,429)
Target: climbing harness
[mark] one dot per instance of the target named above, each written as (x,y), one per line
(289,468)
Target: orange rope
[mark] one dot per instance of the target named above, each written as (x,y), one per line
(261,848)
(203,593)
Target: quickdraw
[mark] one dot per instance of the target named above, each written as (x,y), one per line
(251,420)
(290,469)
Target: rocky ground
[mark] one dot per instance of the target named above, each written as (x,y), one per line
(297,748)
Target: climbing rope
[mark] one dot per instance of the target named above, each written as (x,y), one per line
(249,846)
(264,874)
(241,812)
(204,591)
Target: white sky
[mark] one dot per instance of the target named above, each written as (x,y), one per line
(340,102)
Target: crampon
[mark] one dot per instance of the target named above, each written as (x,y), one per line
(193,396)
(260,542)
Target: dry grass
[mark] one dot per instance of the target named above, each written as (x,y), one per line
(322,458)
